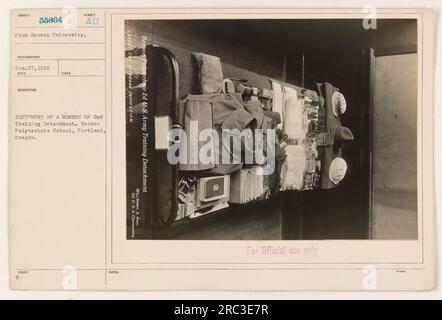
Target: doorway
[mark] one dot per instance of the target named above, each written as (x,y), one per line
(394,145)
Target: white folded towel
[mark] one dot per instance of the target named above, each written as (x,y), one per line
(278,101)
(294,117)
(295,167)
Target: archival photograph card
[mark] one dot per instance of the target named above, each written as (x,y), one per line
(228,149)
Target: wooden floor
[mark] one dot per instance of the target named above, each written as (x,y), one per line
(257,221)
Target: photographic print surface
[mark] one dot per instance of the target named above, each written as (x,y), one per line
(234,134)
(228,149)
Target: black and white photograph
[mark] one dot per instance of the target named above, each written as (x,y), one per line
(219,150)
(271,129)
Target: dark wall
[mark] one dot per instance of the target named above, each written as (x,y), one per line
(234,41)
